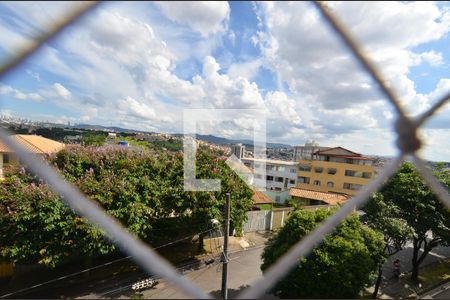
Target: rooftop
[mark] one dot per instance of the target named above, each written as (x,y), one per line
(34,144)
(261,198)
(341,152)
(329,198)
(271,161)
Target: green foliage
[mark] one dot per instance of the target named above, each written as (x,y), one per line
(405,200)
(94,138)
(142,189)
(339,268)
(171,145)
(37,227)
(383,216)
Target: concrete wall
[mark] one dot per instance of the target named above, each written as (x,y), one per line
(258,220)
(283,196)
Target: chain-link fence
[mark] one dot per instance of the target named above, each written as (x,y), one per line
(407,142)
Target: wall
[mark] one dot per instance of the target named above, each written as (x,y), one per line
(258,220)
(283,196)
(338,179)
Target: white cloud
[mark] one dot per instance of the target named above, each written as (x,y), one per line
(205,17)
(8,90)
(324,77)
(433,58)
(34,75)
(61,91)
(247,69)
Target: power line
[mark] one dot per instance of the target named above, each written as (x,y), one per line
(93,268)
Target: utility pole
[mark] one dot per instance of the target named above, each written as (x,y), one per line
(226,233)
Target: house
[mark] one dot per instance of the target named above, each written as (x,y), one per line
(33,143)
(335,170)
(261,201)
(308,197)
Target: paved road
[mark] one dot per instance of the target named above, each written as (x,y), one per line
(442,292)
(405,257)
(244,268)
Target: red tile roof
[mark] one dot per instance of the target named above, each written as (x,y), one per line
(261,198)
(344,153)
(329,198)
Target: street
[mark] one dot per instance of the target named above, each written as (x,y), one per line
(243,270)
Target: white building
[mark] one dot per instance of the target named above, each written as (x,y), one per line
(279,175)
(238,150)
(306,151)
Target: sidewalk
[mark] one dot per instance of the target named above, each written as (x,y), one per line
(249,240)
(404,287)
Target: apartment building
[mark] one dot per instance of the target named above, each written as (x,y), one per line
(238,150)
(279,175)
(307,151)
(335,170)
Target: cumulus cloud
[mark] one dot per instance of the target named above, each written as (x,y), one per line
(324,76)
(246,69)
(206,17)
(61,91)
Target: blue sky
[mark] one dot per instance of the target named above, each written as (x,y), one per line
(140,64)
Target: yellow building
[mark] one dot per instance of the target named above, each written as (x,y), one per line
(335,170)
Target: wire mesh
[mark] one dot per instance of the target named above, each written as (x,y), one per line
(147,258)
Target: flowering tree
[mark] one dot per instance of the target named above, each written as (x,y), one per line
(143,189)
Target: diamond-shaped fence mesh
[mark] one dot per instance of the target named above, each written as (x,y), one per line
(407,142)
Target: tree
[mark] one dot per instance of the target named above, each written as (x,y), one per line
(36,227)
(412,200)
(339,268)
(94,138)
(382,216)
(142,189)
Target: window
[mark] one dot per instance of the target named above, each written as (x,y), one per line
(291,181)
(318,169)
(332,171)
(277,189)
(304,168)
(269,167)
(257,166)
(280,168)
(258,176)
(303,180)
(5,158)
(269,178)
(330,184)
(367,175)
(293,171)
(247,164)
(350,173)
(279,179)
(352,186)
(277,198)
(317,182)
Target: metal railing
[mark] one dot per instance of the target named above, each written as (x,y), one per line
(407,142)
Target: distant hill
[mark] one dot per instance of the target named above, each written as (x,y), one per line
(225,141)
(207,138)
(109,128)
